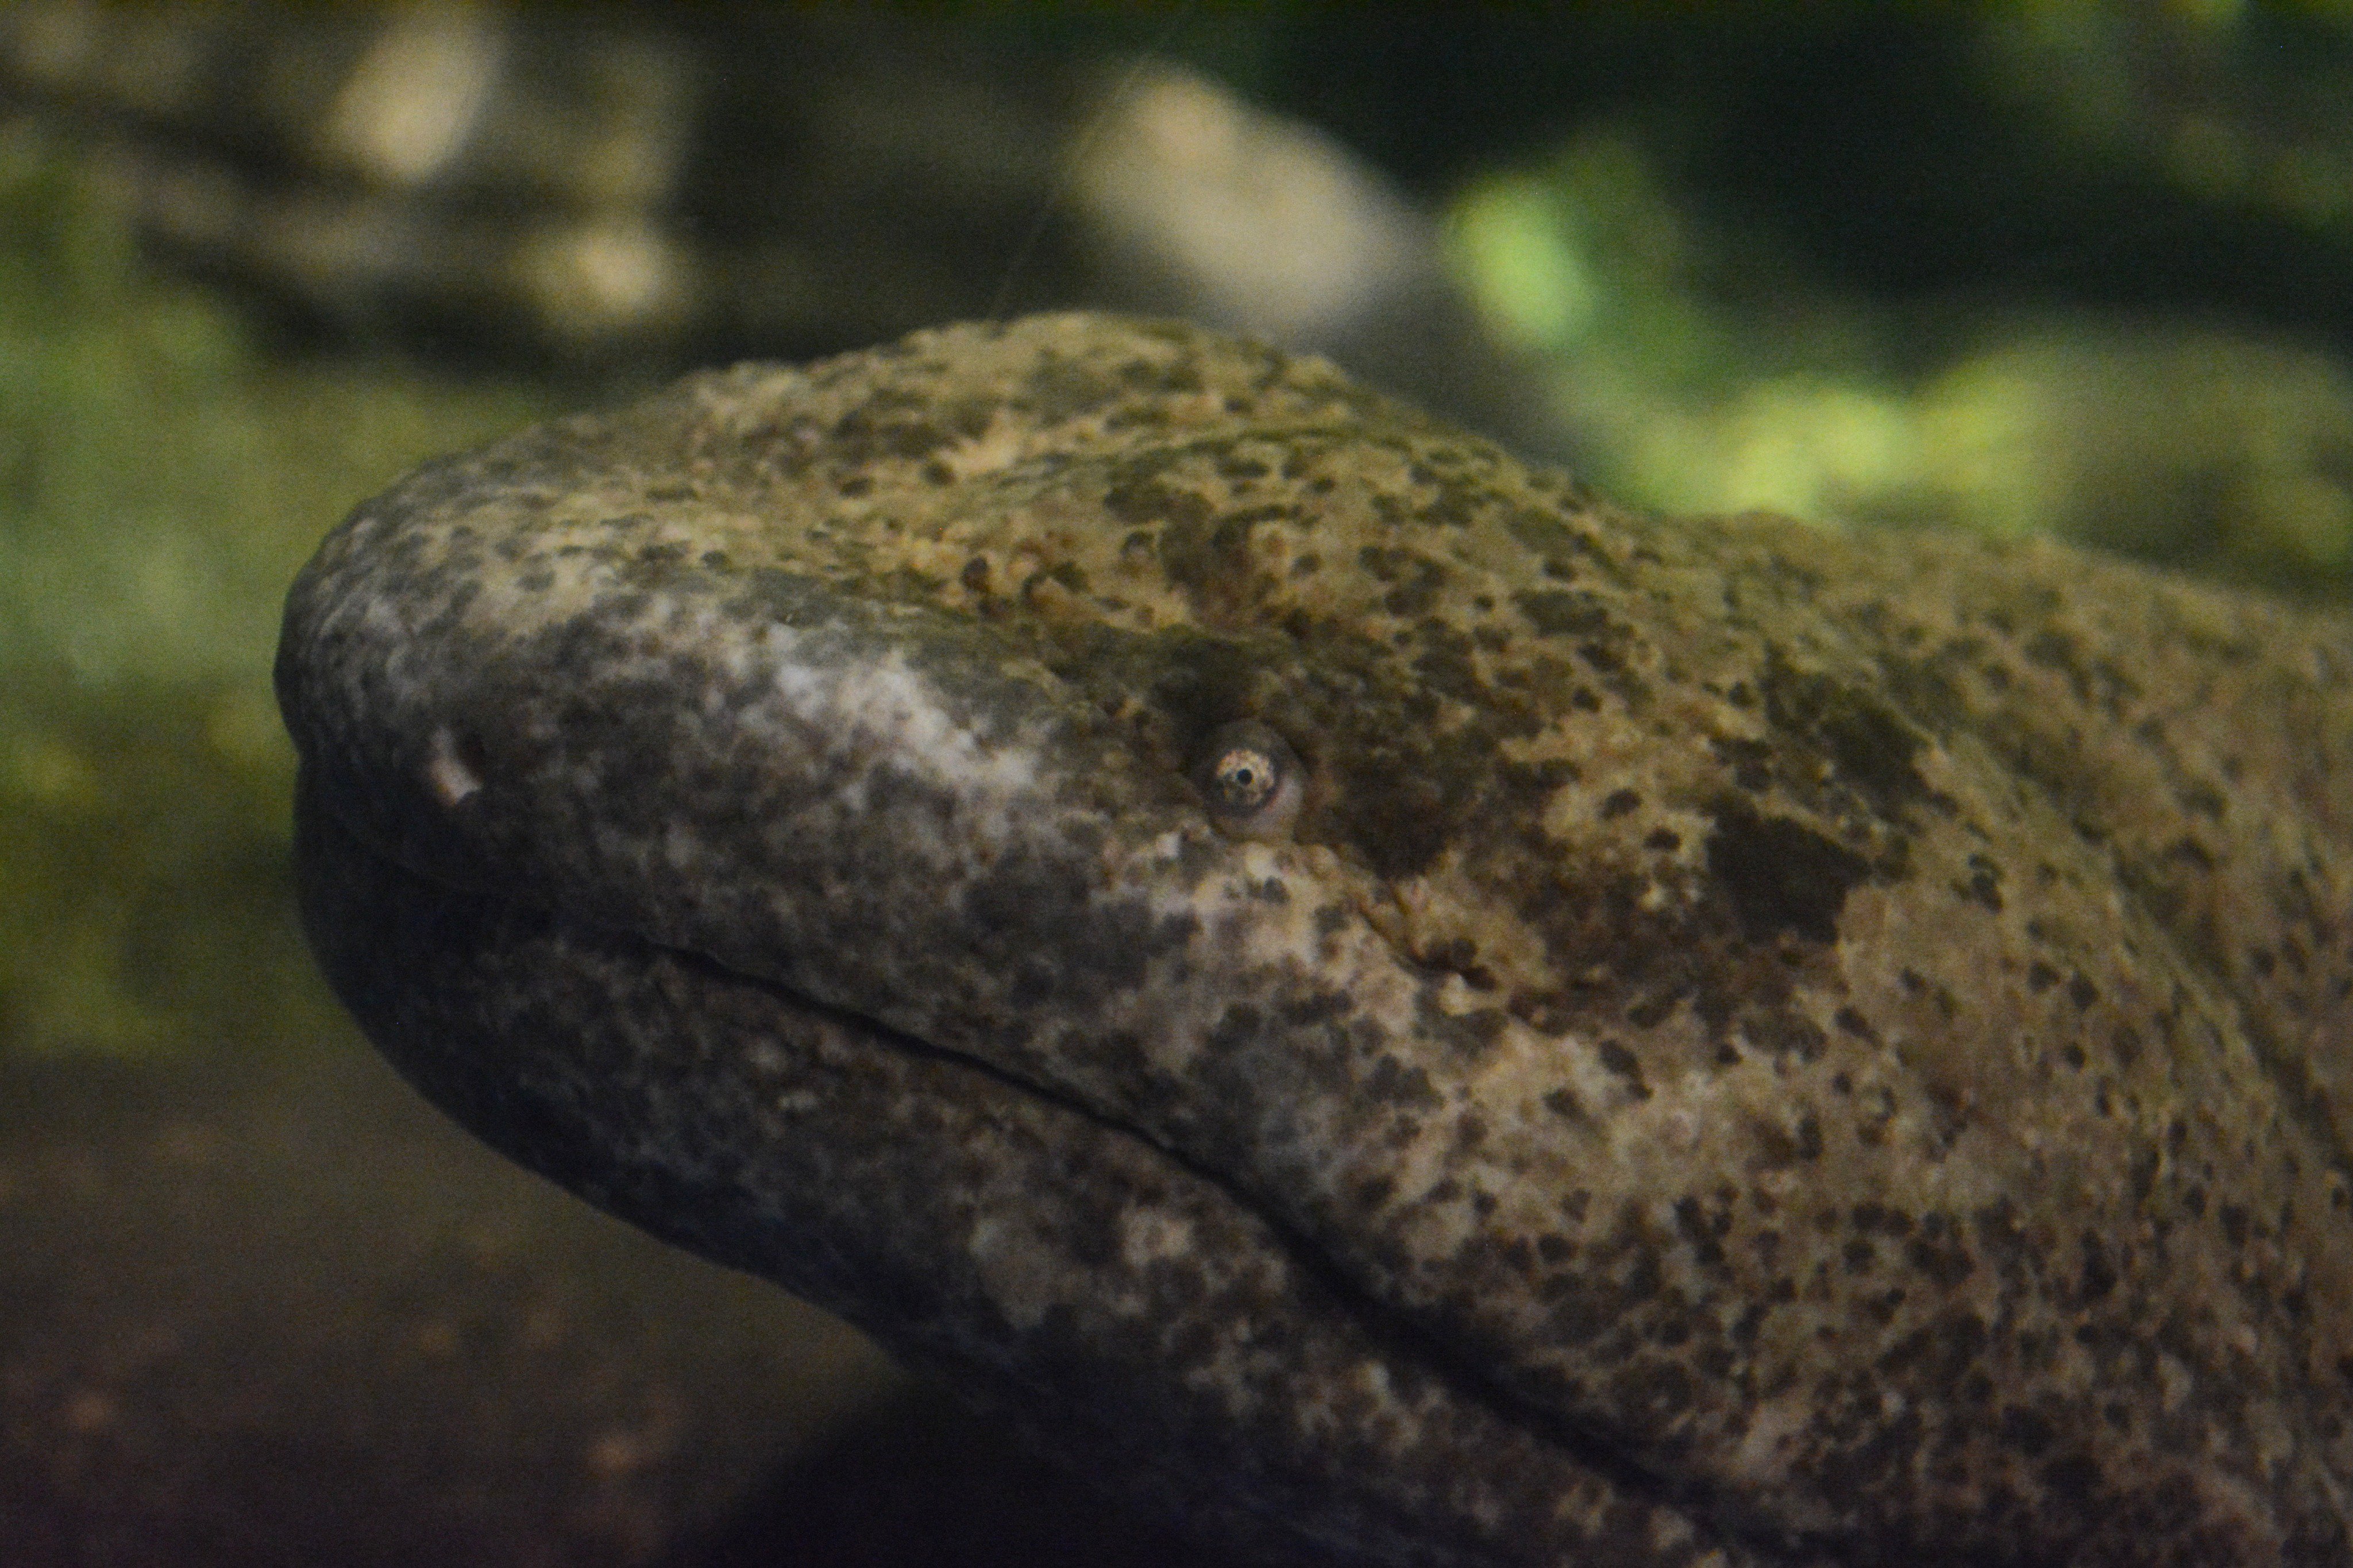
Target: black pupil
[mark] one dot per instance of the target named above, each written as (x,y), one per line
(1245,778)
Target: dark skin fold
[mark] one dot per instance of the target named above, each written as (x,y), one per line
(1434,1019)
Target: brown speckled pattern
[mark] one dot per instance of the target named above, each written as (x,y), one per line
(1756,1048)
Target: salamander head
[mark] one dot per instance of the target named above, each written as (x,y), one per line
(1443,1016)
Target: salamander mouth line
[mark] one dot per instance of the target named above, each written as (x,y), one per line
(1396,1335)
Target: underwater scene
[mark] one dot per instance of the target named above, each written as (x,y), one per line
(1955,280)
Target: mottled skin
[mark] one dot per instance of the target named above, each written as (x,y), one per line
(1755,1047)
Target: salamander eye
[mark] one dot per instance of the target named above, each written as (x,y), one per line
(1250,778)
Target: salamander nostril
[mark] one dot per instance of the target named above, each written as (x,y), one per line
(454,767)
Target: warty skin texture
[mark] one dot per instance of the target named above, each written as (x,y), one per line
(1755,1046)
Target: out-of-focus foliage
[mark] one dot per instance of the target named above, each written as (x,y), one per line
(160,480)
(2241,103)
(160,476)
(1705,365)
(2174,439)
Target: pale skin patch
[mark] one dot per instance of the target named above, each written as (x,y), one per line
(447,773)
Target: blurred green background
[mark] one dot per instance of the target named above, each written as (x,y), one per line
(2076,268)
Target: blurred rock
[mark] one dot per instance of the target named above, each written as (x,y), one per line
(651,188)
